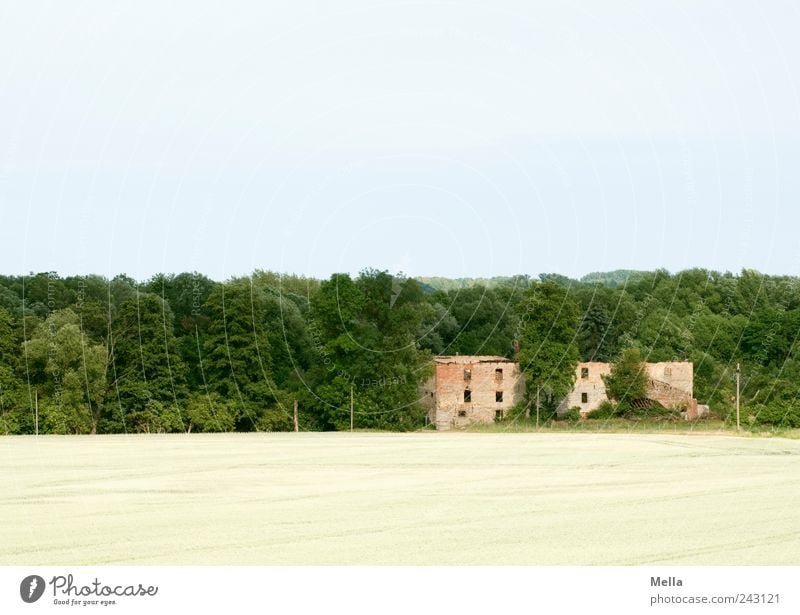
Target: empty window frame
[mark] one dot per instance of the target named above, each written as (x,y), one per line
(584,372)
(467,396)
(467,374)
(462,413)
(584,398)
(498,373)
(498,396)
(498,414)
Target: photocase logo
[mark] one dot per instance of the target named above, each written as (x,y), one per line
(31,588)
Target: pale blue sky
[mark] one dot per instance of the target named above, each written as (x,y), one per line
(458,139)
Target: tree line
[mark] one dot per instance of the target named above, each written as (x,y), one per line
(87,354)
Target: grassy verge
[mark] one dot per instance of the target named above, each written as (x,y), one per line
(616,425)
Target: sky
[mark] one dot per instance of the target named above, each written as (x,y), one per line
(459,139)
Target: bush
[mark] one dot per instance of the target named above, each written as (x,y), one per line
(156,417)
(516,411)
(275,418)
(210,413)
(653,410)
(573,414)
(606,410)
(777,413)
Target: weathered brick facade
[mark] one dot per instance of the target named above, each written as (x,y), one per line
(480,389)
(471,389)
(670,383)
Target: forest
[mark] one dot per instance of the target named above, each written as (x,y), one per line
(184,353)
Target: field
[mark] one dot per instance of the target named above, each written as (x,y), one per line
(379,498)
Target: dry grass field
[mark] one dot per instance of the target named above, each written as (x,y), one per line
(379,498)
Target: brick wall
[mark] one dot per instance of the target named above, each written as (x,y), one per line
(589,390)
(484,378)
(671,383)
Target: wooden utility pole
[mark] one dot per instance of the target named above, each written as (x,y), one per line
(296,422)
(538,406)
(351,407)
(3,410)
(738,378)
(36,415)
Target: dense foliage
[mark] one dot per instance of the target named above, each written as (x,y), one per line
(627,381)
(86,354)
(548,325)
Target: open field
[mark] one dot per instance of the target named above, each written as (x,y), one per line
(380,498)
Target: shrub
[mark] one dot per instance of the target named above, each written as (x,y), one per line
(156,417)
(210,413)
(777,413)
(606,410)
(516,411)
(573,414)
(652,410)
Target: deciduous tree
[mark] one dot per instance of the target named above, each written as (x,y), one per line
(549,352)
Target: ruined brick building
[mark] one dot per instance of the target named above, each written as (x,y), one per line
(481,389)
(669,383)
(471,389)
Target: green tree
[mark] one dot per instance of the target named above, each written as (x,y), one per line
(290,345)
(156,417)
(147,374)
(486,320)
(713,382)
(210,413)
(237,360)
(549,352)
(366,333)
(69,373)
(628,379)
(14,409)
(437,324)
(592,333)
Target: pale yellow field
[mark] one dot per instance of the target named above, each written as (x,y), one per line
(426,498)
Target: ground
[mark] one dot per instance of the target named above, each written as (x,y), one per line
(376,498)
